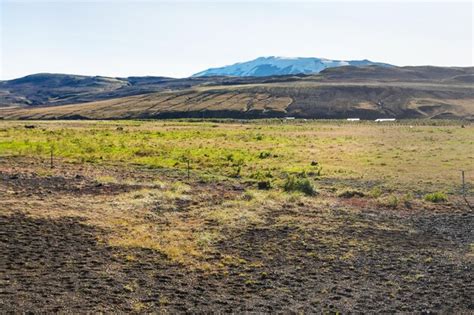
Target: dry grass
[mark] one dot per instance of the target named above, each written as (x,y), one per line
(307,97)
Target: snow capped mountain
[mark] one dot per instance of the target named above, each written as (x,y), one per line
(268,66)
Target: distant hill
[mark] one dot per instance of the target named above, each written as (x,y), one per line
(367,92)
(271,66)
(59,89)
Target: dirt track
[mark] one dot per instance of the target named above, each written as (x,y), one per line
(377,260)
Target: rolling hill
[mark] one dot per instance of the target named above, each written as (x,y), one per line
(367,92)
(59,89)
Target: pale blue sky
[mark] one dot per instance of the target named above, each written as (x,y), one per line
(124,38)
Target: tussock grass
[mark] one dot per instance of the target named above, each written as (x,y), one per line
(436,197)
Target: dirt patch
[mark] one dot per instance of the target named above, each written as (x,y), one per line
(58,265)
(34,184)
(366,265)
(50,266)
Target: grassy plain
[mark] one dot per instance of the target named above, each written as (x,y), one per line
(413,156)
(339,201)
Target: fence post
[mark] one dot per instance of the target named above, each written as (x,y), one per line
(52,159)
(188,168)
(463,187)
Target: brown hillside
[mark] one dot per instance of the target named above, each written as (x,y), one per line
(367,93)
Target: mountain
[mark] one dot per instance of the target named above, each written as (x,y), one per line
(270,66)
(367,92)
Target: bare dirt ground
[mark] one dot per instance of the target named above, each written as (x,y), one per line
(346,256)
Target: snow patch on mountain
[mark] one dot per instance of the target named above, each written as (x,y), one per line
(268,66)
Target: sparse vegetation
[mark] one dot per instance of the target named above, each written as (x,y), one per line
(436,197)
(297,184)
(247,212)
(376,192)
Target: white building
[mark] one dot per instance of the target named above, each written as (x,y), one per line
(353,119)
(384,119)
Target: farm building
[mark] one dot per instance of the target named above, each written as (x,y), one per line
(384,119)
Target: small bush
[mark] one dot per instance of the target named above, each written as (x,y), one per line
(303,185)
(407,199)
(375,192)
(259,175)
(264,155)
(436,197)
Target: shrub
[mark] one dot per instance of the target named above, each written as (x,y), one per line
(259,175)
(264,155)
(303,185)
(407,199)
(436,197)
(392,201)
(375,192)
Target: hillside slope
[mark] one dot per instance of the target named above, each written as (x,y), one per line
(367,93)
(59,89)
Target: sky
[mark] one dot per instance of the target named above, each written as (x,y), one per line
(180,38)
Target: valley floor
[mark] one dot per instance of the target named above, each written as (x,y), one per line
(115,237)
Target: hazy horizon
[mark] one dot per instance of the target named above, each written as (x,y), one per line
(122,39)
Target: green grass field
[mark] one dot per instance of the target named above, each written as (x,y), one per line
(417,157)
